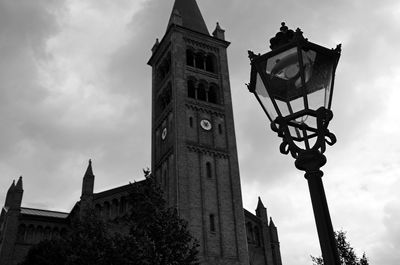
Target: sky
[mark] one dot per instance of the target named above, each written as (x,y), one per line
(74,86)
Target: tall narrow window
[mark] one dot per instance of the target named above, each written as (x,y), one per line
(21,233)
(201,92)
(165,179)
(213,94)
(210,63)
(199,61)
(220,128)
(257,234)
(191,89)
(212,223)
(191,122)
(189,57)
(208,170)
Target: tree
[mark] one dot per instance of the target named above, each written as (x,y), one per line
(347,255)
(88,243)
(157,233)
(157,236)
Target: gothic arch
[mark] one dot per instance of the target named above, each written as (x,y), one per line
(107,209)
(98,210)
(213,94)
(122,205)
(211,63)
(190,56)
(200,60)
(55,233)
(114,208)
(30,234)
(47,232)
(39,233)
(21,233)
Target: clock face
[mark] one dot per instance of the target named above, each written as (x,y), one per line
(164,134)
(205,124)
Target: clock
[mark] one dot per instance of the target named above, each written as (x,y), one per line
(164,134)
(206,125)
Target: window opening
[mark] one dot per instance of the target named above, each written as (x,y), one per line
(212,223)
(210,63)
(201,93)
(189,58)
(199,61)
(208,169)
(191,89)
(213,94)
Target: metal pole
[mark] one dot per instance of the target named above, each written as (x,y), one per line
(323,221)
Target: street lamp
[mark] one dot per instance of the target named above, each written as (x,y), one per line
(293,84)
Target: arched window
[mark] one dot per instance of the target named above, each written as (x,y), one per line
(258,237)
(249,230)
(208,170)
(98,210)
(56,233)
(201,92)
(47,233)
(210,63)
(21,233)
(165,179)
(39,234)
(213,94)
(199,60)
(212,223)
(30,234)
(191,89)
(189,57)
(114,208)
(191,122)
(122,206)
(106,210)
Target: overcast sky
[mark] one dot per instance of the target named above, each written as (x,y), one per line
(74,85)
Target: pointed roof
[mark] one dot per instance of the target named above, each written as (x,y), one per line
(18,186)
(271,223)
(191,15)
(89,170)
(260,204)
(11,187)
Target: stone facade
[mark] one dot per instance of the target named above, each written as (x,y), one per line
(194,158)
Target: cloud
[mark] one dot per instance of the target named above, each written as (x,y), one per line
(74,85)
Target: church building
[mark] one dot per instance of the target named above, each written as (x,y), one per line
(194,158)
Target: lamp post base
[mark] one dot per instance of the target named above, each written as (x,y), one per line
(311,161)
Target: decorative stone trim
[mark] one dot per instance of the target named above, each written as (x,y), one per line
(200,45)
(207,151)
(213,110)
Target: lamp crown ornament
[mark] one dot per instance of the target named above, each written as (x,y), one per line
(284,36)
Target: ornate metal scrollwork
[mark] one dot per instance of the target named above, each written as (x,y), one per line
(324,136)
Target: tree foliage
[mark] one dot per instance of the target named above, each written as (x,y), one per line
(157,236)
(347,255)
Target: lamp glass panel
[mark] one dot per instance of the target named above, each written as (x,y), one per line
(264,98)
(284,108)
(319,79)
(284,74)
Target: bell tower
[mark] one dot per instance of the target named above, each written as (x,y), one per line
(194,154)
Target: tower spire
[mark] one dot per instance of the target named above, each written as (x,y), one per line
(88,180)
(190,16)
(10,194)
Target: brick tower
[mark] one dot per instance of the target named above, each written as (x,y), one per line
(194,154)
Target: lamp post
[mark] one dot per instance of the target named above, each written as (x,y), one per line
(293,84)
